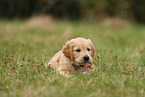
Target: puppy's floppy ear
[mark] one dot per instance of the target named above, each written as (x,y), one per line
(92,48)
(67,50)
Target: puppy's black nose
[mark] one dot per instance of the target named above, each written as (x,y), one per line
(86,58)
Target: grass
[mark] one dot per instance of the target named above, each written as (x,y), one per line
(25,47)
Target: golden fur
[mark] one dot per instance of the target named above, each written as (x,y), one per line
(72,53)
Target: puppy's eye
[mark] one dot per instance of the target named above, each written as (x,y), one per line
(78,50)
(88,49)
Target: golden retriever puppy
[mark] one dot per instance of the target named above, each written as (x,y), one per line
(74,56)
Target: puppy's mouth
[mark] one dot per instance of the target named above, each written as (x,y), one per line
(83,62)
(81,65)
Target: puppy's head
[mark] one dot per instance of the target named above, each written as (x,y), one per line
(79,50)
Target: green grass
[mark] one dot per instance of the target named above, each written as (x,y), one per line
(25,47)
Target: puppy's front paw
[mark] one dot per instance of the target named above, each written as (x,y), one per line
(65,73)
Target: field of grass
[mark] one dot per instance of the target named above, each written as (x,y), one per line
(26,45)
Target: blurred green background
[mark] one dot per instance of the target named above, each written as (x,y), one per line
(74,9)
(32,31)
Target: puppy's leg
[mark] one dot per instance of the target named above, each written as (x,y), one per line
(65,73)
